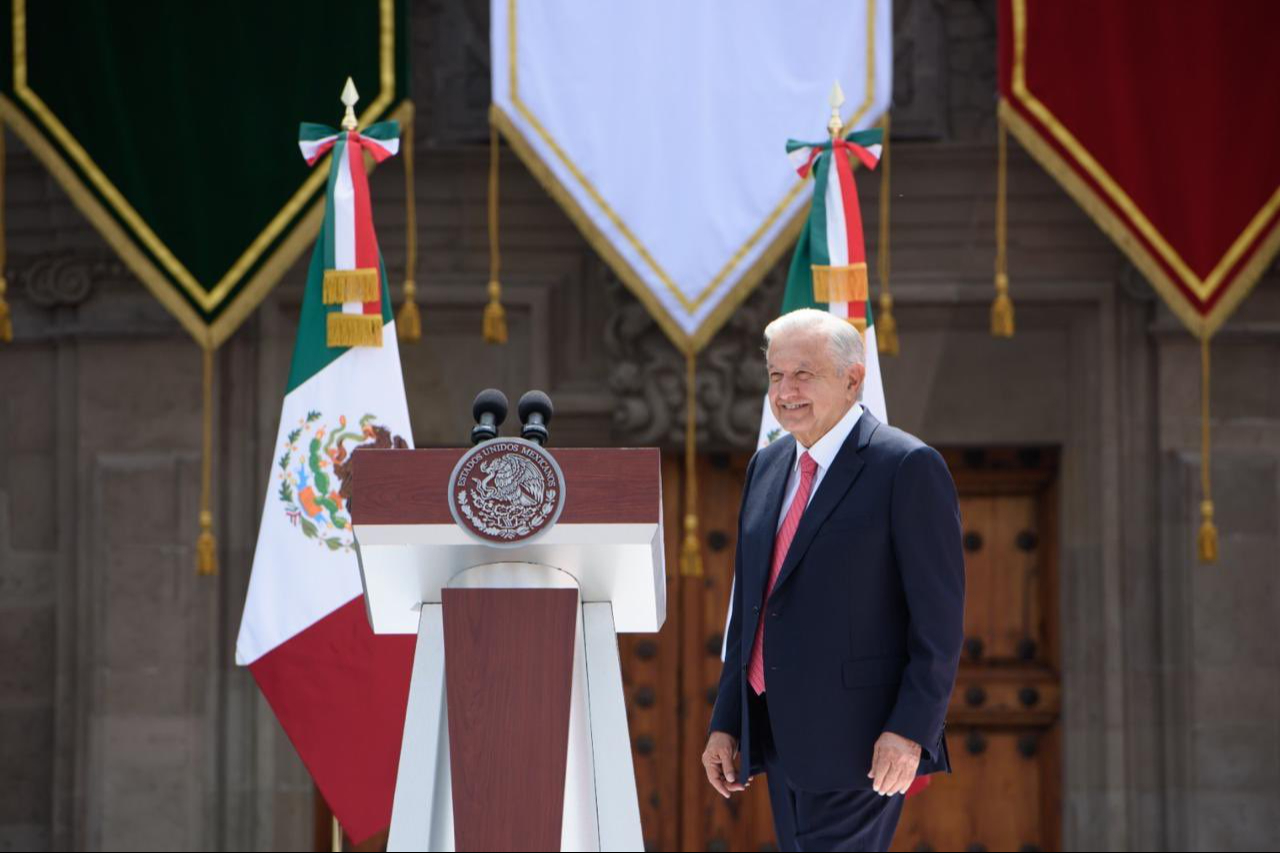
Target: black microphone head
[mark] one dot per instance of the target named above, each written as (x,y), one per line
(534,402)
(490,401)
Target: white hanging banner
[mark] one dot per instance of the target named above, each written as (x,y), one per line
(660,128)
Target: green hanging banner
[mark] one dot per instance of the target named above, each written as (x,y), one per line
(172,127)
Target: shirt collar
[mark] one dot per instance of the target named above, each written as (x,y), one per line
(824,450)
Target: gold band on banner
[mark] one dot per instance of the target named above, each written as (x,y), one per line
(358,285)
(353,330)
(840,284)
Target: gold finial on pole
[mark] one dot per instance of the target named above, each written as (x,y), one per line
(835,125)
(349,98)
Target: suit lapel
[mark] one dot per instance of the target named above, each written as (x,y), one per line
(835,485)
(762,519)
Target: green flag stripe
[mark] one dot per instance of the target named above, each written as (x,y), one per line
(819,253)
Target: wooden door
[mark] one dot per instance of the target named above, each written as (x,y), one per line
(1003,726)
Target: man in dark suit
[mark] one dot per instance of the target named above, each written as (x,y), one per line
(848,609)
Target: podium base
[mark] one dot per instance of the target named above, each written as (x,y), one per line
(507,629)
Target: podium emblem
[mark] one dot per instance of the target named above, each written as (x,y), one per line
(506,492)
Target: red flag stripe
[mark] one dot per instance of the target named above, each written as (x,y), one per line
(366,240)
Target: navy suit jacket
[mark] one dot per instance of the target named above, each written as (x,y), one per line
(865,625)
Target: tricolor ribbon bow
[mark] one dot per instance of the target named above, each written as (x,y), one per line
(836,250)
(352,264)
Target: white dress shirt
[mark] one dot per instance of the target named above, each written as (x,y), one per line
(823,452)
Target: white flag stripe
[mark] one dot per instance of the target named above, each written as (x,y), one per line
(296,581)
(344,219)
(837,235)
(309,147)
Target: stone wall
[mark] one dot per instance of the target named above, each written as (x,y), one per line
(123,721)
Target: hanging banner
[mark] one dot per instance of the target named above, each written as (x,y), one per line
(164,126)
(656,126)
(1164,129)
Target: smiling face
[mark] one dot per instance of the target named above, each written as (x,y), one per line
(807,392)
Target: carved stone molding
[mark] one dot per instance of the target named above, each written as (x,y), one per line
(647,374)
(65,280)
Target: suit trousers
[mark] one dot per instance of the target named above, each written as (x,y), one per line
(858,819)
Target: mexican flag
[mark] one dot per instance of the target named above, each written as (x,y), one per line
(338,691)
(829,268)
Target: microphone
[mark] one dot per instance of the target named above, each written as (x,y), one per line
(489,410)
(535,413)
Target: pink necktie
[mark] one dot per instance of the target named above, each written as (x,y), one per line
(787,532)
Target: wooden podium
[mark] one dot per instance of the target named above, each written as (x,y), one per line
(515,735)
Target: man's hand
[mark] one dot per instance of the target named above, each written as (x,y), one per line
(718,759)
(893,764)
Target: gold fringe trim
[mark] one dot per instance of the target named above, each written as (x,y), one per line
(1002,307)
(358,285)
(408,320)
(1208,539)
(840,284)
(354,330)
(495,317)
(690,551)
(206,545)
(886,325)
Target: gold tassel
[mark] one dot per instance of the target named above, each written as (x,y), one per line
(6,316)
(1208,540)
(1002,307)
(358,285)
(408,320)
(336,846)
(690,551)
(886,325)
(206,545)
(354,330)
(495,317)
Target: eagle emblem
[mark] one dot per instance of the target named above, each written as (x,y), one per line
(314,474)
(506,491)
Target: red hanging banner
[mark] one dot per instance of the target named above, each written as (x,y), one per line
(1161,122)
